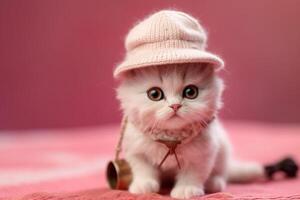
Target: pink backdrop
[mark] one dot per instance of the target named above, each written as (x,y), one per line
(56,58)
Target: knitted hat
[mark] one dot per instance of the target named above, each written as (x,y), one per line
(166,37)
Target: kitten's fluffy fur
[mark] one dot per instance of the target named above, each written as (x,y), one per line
(205,155)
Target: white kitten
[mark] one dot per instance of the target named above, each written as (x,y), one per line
(175,102)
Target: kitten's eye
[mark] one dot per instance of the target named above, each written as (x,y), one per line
(190,92)
(155,94)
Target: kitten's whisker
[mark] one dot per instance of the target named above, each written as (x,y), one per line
(194,129)
(203,123)
(155,124)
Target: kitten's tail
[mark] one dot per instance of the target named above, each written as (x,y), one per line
(242,172)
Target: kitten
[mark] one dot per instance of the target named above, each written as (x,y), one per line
(178,102)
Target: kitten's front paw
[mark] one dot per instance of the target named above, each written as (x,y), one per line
(215,184)
(186,191)
(142,186)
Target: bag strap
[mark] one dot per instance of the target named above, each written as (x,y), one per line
(119,144)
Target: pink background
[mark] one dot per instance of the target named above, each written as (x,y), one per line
(57,57)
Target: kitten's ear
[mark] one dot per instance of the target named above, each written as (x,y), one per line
(130,74)
(206,67)
(207,70)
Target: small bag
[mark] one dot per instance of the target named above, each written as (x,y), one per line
(119,174)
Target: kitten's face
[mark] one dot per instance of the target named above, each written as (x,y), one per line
(170,97)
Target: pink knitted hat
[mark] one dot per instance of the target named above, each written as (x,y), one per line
(166,37)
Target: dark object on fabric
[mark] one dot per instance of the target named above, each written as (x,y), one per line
(288,166)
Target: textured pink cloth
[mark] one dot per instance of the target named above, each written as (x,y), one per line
(106,194)
(70,164)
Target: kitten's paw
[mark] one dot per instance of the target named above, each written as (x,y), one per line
(215,184)
(142,186)
(186,191)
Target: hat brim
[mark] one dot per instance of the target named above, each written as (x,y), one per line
(149,58)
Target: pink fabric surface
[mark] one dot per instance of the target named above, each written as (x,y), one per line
(70,164)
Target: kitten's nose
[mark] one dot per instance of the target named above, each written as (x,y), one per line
(175,107)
